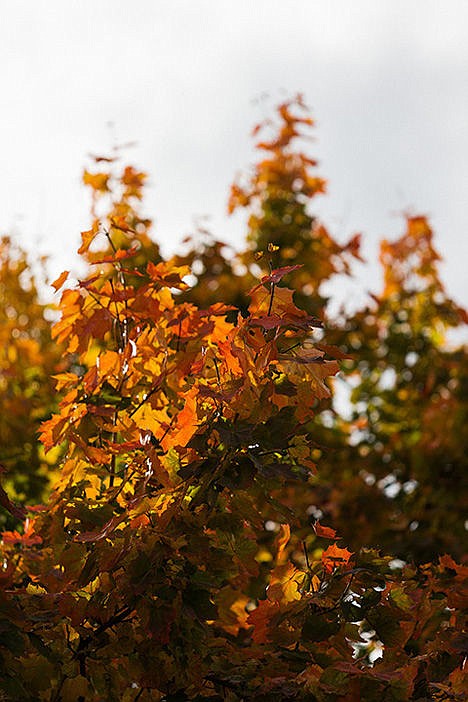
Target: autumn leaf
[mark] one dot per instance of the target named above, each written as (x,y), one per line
(276,321)
(97,181)
(285,584)
(141,521)
(28,538)
(169,276)
(282,541)
(233,614)
(324,532)
(57,284)
(303,355)
(104,532)
(334,557)
(186,422)
(119,255)
(262,618)
(132,178)
(120,223)
(278,274)
(86,240)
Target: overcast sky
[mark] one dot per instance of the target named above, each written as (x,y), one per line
(387,81)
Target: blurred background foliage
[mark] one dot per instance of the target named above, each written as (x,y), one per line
(28,359)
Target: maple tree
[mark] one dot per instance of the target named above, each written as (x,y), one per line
(408,396)
(278,195)
(177,557)
(378,469)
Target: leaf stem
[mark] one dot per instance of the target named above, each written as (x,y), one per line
(272,295)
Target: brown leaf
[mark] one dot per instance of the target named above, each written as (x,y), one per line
(324,532)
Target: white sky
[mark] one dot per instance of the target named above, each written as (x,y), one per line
(387,81)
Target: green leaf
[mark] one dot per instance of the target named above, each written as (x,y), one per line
(400,599)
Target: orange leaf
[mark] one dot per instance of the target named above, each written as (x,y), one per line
(335,557)
(260,619)
(141,520)
(108,363)
(86,240)
(168,276)
(60,280)
(119,255)
(282,541)
(120,223)
(29,538)
(186,423)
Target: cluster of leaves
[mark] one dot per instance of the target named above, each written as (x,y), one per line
(277,195)
(151,572)
(180,555)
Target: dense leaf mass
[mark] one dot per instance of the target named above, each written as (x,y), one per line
(216,529)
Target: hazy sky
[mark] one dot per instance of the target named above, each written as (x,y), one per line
(387,81)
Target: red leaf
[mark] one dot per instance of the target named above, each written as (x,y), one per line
(276,275)
(274,320)
(89,536)
(354,246)
(89,281)
(29,538)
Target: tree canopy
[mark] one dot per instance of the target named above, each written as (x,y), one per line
(216,528)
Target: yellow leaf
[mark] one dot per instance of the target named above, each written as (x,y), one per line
(284,584)
(151,419)
(97,181)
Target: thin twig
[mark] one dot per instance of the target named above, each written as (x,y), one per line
(306,555)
